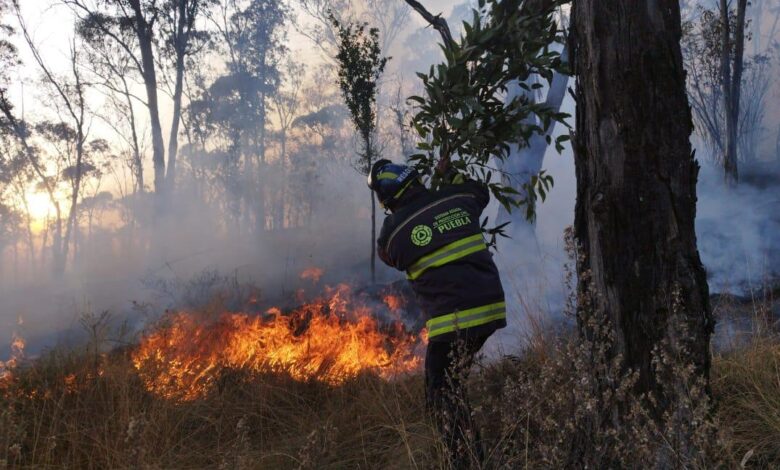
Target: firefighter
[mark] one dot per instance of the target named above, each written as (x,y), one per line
(435,236)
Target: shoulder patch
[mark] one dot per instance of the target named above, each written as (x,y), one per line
(422,235)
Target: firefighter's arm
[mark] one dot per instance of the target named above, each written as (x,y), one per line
(381,243)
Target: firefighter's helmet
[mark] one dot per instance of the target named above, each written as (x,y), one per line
(390,180)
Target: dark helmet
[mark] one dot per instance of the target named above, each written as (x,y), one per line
(389,181)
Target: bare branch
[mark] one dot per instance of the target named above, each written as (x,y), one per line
(438,23)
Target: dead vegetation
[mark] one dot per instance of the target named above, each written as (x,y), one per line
(87,409)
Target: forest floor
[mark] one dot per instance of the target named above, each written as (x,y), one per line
(88,409)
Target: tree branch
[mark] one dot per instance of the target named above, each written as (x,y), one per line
(438,23)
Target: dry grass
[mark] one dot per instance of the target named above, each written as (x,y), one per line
(108,420)
(69,410)
(87,409)
(746,383)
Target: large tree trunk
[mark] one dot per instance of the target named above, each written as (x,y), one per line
(636,182)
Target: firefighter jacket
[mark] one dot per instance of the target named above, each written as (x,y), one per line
(436,238)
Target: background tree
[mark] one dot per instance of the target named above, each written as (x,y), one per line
(702,55)
(731,65)
(636,196)
(319,28)
(360,66)
(10,166)
(131,26)
(70,93)
(235,105)
(181,39)
(286,103)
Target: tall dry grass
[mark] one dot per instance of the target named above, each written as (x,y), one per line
(88,408)
(69,410)
(107,420)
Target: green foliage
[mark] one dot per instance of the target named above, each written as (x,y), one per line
(463,120)
(360,66)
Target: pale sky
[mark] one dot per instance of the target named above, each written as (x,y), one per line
(51,25)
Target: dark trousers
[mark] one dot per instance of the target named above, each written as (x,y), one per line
(447,365)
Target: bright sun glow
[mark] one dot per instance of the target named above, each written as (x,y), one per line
(40,207)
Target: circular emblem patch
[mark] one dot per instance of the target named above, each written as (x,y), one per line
(421,235)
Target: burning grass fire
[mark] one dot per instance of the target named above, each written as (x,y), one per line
(17,353)
(332,339)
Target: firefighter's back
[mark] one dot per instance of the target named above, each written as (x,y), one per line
(437,240)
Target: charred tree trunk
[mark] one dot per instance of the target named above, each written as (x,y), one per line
(636,183)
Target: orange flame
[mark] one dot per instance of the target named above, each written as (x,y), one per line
(313,274)
(394,302)
(17,354)
(331,340)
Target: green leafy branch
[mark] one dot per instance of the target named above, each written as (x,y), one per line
(463,120)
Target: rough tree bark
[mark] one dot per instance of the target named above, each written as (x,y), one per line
(636,181)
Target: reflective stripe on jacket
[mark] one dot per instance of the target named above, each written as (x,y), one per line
(436,238)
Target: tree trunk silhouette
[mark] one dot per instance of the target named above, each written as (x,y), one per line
(731,69)
(636,182)
(144,33)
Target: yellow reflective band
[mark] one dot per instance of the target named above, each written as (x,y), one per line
(466,319)
(399,193)
(464,313)
(447,254)
(386,176)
